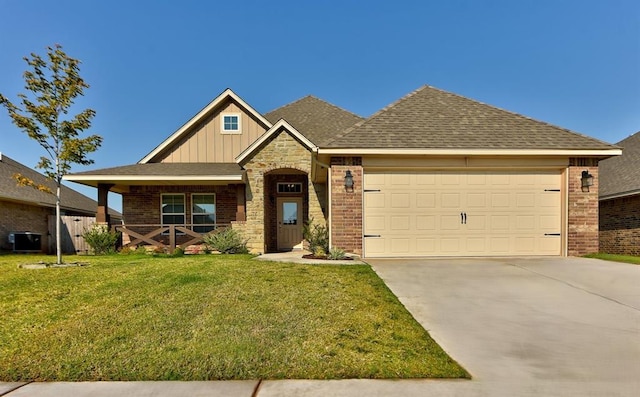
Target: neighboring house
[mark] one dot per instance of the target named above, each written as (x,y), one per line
(26,209)
(620,200)
(433,174)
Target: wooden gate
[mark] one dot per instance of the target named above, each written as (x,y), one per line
(71,231)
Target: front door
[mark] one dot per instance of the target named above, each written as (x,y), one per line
(289,222)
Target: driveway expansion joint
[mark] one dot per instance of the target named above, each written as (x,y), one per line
(576,287)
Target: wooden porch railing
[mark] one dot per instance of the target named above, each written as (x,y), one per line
(161,232)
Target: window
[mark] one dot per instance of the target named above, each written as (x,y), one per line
(172,209)
(231,123)
(203,212)
(289,187)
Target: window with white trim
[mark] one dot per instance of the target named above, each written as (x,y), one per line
(203,212)
(230,123)
(172,209)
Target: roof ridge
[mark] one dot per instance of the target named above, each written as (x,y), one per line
(376,114)
(318,99)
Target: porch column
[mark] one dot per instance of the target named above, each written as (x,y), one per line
(102,213)
(240,203)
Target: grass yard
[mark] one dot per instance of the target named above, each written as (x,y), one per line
(616,258)
(206,317)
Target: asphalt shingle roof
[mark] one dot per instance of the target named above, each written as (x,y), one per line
(169,169)
(621,174)
(316,119)
(69,198)
(435,119)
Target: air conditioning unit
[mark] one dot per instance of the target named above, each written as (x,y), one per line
(25,241)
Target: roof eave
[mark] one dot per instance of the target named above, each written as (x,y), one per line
(472,152)
(619,195)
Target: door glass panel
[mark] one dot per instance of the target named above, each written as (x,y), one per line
(289,213)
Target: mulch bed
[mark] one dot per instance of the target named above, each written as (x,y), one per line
(311,256)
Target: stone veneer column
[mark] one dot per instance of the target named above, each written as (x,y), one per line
(346,206)
(582,214)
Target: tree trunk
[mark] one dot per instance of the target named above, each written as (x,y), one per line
(58,233)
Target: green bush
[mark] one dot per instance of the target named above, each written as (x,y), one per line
(336,254)
(101,240)
(226,241)
(317,236)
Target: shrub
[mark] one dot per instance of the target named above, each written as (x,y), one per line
(101,240)
(141,250)
(226,241)
(178,251)
(336,254)
(317,236)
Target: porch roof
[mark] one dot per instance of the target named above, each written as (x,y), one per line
(161,174)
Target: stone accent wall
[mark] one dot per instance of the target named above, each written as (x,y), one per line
(620,226)
(582,234)
(346,206)
(141,205)
(282,151)
(17,217)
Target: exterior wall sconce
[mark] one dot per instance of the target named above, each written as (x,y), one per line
(587,180)
(348,181)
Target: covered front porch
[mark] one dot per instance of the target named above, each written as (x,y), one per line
(169,205)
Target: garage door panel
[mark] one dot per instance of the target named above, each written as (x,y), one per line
(425,200)
(425,246)
(477,222)
(450,200)
(450,222)
(476,245)
(499,200)
(374,200)
(426,222)
(400,200)
(419,213)
(400,223)
(400,246)
(450,245)
(375,223)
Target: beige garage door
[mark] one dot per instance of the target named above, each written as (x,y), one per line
(453,213)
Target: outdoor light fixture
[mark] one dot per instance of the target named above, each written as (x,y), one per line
(587,180)
(348,181)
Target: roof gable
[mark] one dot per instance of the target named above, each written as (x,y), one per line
(319,120)
(620,176)
(179,134)
(429,118)
(280,126)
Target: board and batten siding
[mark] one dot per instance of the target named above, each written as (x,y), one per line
(207,144)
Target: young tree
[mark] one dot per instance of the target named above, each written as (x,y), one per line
(54,82)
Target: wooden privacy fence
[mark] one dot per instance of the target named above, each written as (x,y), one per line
(71,231)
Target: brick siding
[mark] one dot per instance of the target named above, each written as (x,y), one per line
(141,205)
(346,206)
(620,226)
(16,217)
(582,212)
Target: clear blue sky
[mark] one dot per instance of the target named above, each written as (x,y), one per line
(154,64)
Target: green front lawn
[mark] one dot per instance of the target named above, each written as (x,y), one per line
(616,258)
(206,317)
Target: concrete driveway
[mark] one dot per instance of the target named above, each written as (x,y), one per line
(527,326)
